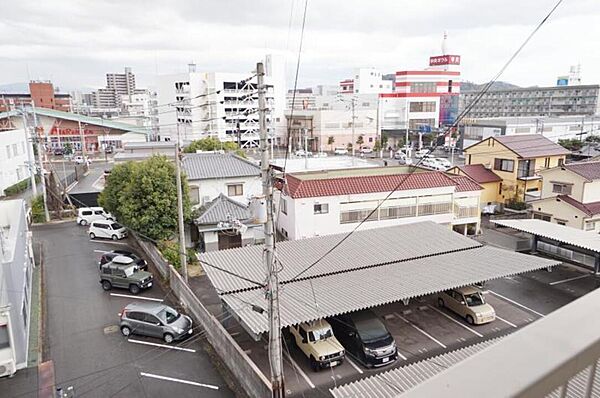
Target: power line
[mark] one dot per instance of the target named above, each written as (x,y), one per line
(448,130)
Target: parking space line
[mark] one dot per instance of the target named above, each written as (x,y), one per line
(193,383)
(457,322)
(420,330)
(100,251)
(507,322)
(355,366)
(172,347)
(108,242)
(295,365)
(137,297)
(515,303)
(400,354)
(569,279)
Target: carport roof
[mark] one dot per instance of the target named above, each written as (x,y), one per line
(363,249)
(325,296)
(394,382)
(560,233)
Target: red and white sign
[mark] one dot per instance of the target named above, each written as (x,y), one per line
(444,60)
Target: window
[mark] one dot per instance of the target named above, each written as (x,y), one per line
(540,216)
(15,149)
(284,206)
(526,168)
(504,165)
(423,87)
(4,340)
(561,222)
(561,162)
(449,86)
(136,316)
(590,225)
(415,124)
(370,139)
(302,333)
(321,208)
(86,213)
(8,151)
(428,106)
(547,162)
(235,190)
(562,188)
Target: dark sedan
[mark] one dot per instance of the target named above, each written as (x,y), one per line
(115,254)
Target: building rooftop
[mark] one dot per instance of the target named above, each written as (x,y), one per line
(588,170)
(204,166)
(531,145)
(465,184)
(223,208)
(591,208)
(535,88)
(479,173)
(316,163)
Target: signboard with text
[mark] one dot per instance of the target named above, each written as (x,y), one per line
(444,60)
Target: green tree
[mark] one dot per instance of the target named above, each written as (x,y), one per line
(377,146)
(330,142)
(592,139)
(68,149)
(384,140)
(360,140)
(349,147)
(211,144)
(572,144)
(143,196)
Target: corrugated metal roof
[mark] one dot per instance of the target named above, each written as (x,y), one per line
(560,233)
(394,382)
(362,249)
(203,166)
(366,288)
(221,209)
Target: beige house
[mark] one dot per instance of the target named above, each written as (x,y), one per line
(571,196)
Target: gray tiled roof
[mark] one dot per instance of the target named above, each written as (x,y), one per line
(204,166)
(221,208)
(531,145)
(396,381)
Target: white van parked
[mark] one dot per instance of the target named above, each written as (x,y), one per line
(88,214)
(107,229)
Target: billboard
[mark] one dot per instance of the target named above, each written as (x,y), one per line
(444,60)
(562,81)
(448,109)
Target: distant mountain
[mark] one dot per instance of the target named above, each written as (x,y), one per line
(470,86)
(14,88)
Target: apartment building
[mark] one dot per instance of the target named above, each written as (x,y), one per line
(42,94)
(534,101)
(517,160)
(121,83)
(14,159)
(366,81)
(335,201)
(16,268)
(222,105)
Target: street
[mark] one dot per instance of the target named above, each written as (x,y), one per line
(82,336)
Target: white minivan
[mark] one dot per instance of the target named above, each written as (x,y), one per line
(107,229)
(88,214)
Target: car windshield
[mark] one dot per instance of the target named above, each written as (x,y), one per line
(474,299)
(169,315)
(370,329)
(320,334)
(130,270)
(116,226)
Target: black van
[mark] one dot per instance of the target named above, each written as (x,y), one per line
(365,338)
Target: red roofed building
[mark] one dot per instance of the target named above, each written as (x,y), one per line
(329,202)
(489,181)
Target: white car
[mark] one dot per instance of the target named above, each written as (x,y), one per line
(78,159)
(86,215)
(366,150)
(340,150)
(444,162)
(302,152)
(107,229)
(421,153)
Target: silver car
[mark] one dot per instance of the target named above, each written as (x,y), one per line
(155,320)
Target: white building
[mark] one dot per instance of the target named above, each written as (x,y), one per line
(335,201)
(16,269)
(366,81)
(221,105)
(14,160)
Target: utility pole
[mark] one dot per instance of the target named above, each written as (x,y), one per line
(40,149)
(182,250)
(82,140)
(352,103)
(30,156)
(275,352)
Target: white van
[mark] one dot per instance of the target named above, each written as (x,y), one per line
(88,214)
(107,229)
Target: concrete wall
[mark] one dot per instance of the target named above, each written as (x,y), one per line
(591,192)
(560,211)
(558,174)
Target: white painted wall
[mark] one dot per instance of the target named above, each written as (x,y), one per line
(13,158)
(214,187)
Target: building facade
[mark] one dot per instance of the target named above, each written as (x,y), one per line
(534,101)
(366,81)
(335,201)
(41,94)
(489,181)
(14,158)
(16,270)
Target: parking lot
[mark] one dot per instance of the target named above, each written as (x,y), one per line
(421,329)
(82,336)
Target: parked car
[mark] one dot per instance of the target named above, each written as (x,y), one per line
(317,342)
(468,302)
(107,229)
(86,215)
(365,338)
(109,149)
(366,150)
(444,162)
(429,163)
(58,151)
(125,277)
(302,152)
(123,257)
(154,320)
(340,150)
(78,159)
(402,158)
(421,153)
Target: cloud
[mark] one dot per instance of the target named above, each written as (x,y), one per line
(76,43)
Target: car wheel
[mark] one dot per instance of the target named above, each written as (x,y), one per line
(168,337)
(114,237)
(106,285)
(470,320)
(92,235)
(83,222)
(134,289)
(125,331)
(441,303)
(313,364)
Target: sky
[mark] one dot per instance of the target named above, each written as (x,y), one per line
(74,43)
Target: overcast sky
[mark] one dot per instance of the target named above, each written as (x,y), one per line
(74,43)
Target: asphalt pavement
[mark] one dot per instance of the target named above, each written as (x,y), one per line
(82,335)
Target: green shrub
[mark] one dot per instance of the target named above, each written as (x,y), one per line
(516,204)
(37,209)
(19,187)
(170,251)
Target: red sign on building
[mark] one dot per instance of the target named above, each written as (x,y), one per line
(444,60)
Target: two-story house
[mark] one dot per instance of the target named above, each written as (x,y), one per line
(490,182)
(571,196)
(329,202)
(517,160)
(221,187)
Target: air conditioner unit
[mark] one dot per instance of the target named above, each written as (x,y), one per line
(488,166)
(8,368)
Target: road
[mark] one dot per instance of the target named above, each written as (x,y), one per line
(82,335)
